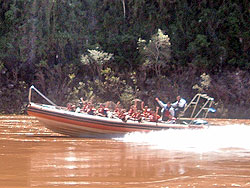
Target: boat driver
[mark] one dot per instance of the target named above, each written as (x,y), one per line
(179,105)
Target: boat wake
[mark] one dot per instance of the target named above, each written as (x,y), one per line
(215,138)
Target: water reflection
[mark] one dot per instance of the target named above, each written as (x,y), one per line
(104,161)
(112,162)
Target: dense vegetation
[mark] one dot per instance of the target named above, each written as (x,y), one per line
(120,50)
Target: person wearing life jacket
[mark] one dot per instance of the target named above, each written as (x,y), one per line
(146,112)
(154,117)
(179,105)
(167,111)
(132,112)
(91,110)
(117,109)
(102,111)
(84,105)
(122,115)
(69,107)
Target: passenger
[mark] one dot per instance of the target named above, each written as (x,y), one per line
(122,115)
(85,107)
(154,117)
(167,110)
(179,105)
(145,111)
(137,116)
(71,107)
(83,103)
(104,111)
(100,111)
(117,110)
(91,110)
(107,112)
(132,111)
(78,109)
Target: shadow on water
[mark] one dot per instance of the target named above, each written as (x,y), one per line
(100,137)
(47,136)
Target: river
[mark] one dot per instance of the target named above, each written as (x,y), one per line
(33,156)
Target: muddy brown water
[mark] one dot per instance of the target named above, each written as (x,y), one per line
(33,156)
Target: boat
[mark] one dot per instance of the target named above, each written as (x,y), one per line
(74,124)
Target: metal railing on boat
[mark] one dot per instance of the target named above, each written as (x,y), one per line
(204,107)
(42,95)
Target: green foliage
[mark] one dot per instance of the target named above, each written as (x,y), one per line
(205,34)
(111,88)
(127,96)
(1,66)
(96,60)
(57,82)
(96,57)
(204,83)
(156,53)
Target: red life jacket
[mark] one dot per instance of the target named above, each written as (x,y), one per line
(167,113)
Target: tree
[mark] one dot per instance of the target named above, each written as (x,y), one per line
(96,59)
(156,54)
